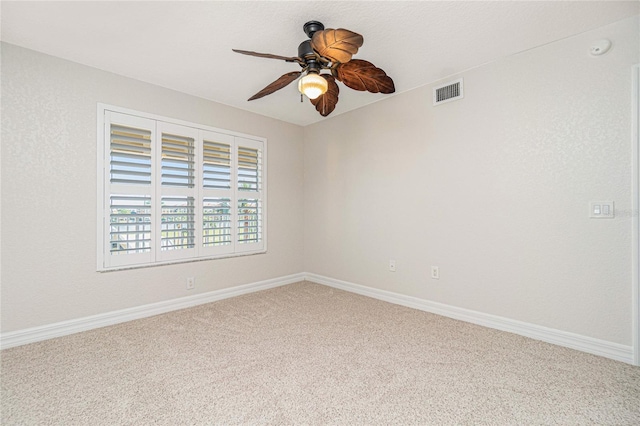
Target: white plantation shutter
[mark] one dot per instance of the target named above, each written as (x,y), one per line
(216,162)
(248,169)
(178,154)
(249,217)
(217,223)
(178,223)
(218,159)
(128,175)
(175,191)
(249,220)
(129,224)
(130,155)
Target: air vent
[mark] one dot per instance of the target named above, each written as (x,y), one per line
(448,92)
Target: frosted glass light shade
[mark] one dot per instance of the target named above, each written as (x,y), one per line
(312,85)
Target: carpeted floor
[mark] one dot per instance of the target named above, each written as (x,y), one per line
(309,354)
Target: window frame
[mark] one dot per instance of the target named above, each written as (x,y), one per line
(156,257)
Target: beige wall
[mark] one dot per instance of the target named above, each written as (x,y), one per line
(494,189)
(49,194)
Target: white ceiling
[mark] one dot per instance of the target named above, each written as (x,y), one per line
(186,46)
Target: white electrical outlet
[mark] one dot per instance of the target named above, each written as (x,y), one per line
(435,273)
(191,283)
(392,265)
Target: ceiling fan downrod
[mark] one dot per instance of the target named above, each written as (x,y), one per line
(305,50)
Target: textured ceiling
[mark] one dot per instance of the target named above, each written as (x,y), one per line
(186,46)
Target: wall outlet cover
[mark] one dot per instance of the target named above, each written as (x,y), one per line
(435,273)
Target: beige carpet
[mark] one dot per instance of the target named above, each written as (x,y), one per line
(309,354)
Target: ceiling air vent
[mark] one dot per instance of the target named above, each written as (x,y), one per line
(448,92)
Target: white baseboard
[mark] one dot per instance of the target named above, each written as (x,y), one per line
(590,345)
(36,334)
(562,338)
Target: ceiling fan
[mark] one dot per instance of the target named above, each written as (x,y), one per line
(327,49)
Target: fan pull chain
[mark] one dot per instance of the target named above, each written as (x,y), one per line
(301,100)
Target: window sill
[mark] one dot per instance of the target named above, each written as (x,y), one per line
(174,262)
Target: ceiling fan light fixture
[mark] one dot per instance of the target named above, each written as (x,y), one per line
(312,85)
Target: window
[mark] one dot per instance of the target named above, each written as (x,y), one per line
(173,191)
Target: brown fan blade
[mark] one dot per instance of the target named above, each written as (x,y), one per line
(281,82)
(326,103)
(362,75)
(268,55)
(336,45)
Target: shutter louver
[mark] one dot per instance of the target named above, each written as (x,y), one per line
(130,155)
(216,222)
(249,221)
(130,224)
(177,161)
(249,216)
(178,223)
(249,169)
(216,167)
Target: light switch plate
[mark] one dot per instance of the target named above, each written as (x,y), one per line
(601,210)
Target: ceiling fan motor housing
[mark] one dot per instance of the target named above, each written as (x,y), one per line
(306,52)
